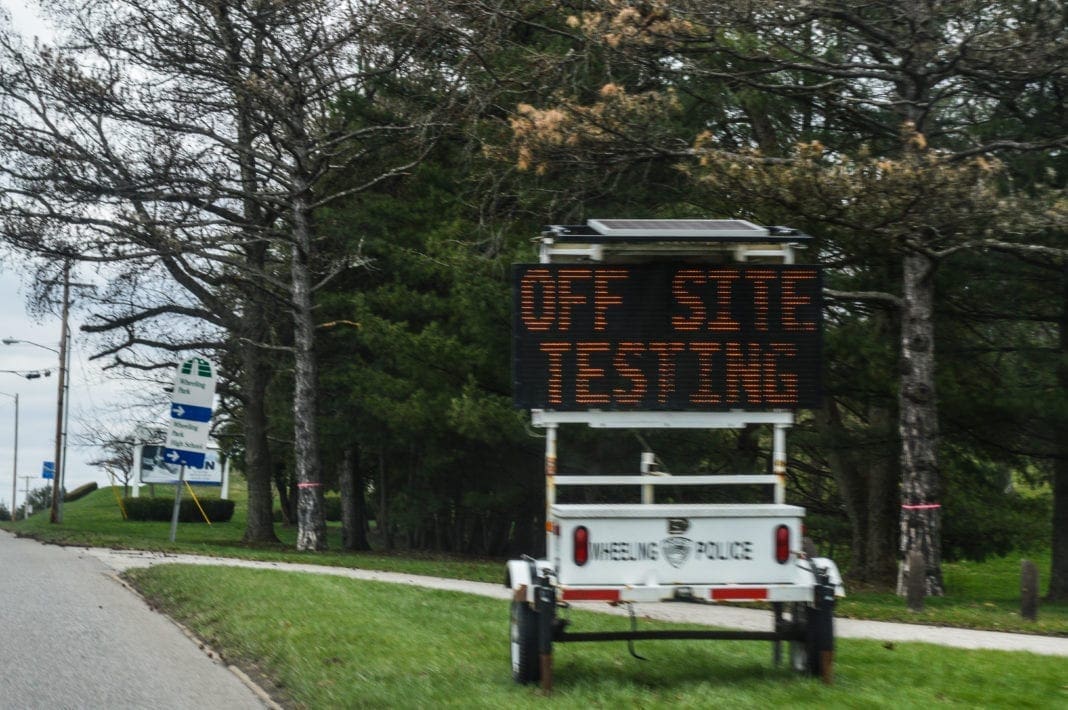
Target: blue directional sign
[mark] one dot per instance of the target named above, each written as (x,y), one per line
(48,469)
(190,412)
(155,468)
(181,457)
(191,407)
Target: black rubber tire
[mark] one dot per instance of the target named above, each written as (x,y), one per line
(805,656)
(799,650)
(526,667)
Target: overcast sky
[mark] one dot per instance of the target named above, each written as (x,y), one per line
(96,400)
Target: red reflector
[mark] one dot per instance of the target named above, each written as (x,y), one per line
(590,595)
(740,594)
(581,548)
(782,544)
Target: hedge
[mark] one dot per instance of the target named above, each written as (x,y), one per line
(219,511)
(79,492)
(331,509)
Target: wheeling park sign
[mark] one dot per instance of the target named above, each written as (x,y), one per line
(191,408)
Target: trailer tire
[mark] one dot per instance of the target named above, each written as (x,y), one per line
(524,643)
(817,630)
(798,649)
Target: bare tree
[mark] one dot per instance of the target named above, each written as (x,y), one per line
(200,141)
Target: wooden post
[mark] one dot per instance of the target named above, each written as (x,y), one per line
(1028,590)
(56,514)
(916,584)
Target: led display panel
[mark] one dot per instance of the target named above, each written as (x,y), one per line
(658,336)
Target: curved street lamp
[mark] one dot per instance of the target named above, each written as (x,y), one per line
(12,341)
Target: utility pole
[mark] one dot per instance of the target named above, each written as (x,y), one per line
(56,515)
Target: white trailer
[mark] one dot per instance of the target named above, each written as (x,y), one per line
(669,324)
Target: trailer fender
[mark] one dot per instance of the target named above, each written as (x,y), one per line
(835,577)
(521,576)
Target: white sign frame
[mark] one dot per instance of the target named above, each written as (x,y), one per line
(155,469)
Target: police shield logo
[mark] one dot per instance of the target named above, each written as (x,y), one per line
(676,550)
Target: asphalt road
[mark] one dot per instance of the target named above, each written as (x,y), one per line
(71,636)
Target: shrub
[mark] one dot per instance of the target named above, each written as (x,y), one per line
(80,492)
(161,509)
(982,519)
(331,509)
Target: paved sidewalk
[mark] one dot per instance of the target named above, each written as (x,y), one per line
(712,615)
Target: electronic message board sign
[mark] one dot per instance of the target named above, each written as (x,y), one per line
(666,336)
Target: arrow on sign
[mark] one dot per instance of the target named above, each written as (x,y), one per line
(190,412)
(192,459)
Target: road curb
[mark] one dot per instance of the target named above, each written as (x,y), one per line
(203,645)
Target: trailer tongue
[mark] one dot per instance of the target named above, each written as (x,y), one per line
(669,324)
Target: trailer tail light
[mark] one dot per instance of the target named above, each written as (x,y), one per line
(782,544)
(581,547)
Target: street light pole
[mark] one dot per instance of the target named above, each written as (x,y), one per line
(15,467)
(59,476)
(29,375)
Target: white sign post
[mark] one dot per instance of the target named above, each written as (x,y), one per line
(187,437)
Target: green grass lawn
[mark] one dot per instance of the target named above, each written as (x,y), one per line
(983,595)
(979,595)
(96,521)
(334,642)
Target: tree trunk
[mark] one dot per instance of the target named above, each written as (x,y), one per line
(867,482)
(382,520)
(311,525)
(353,511)
(256,322)
(286,499)
(882,469)
(259,527)
(848,478)
(921,516)
(1058,573)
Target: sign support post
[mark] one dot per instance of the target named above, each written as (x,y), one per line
(177,503)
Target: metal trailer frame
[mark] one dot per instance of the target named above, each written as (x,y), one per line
(803,615)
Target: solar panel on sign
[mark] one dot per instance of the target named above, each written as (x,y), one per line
(681,228)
